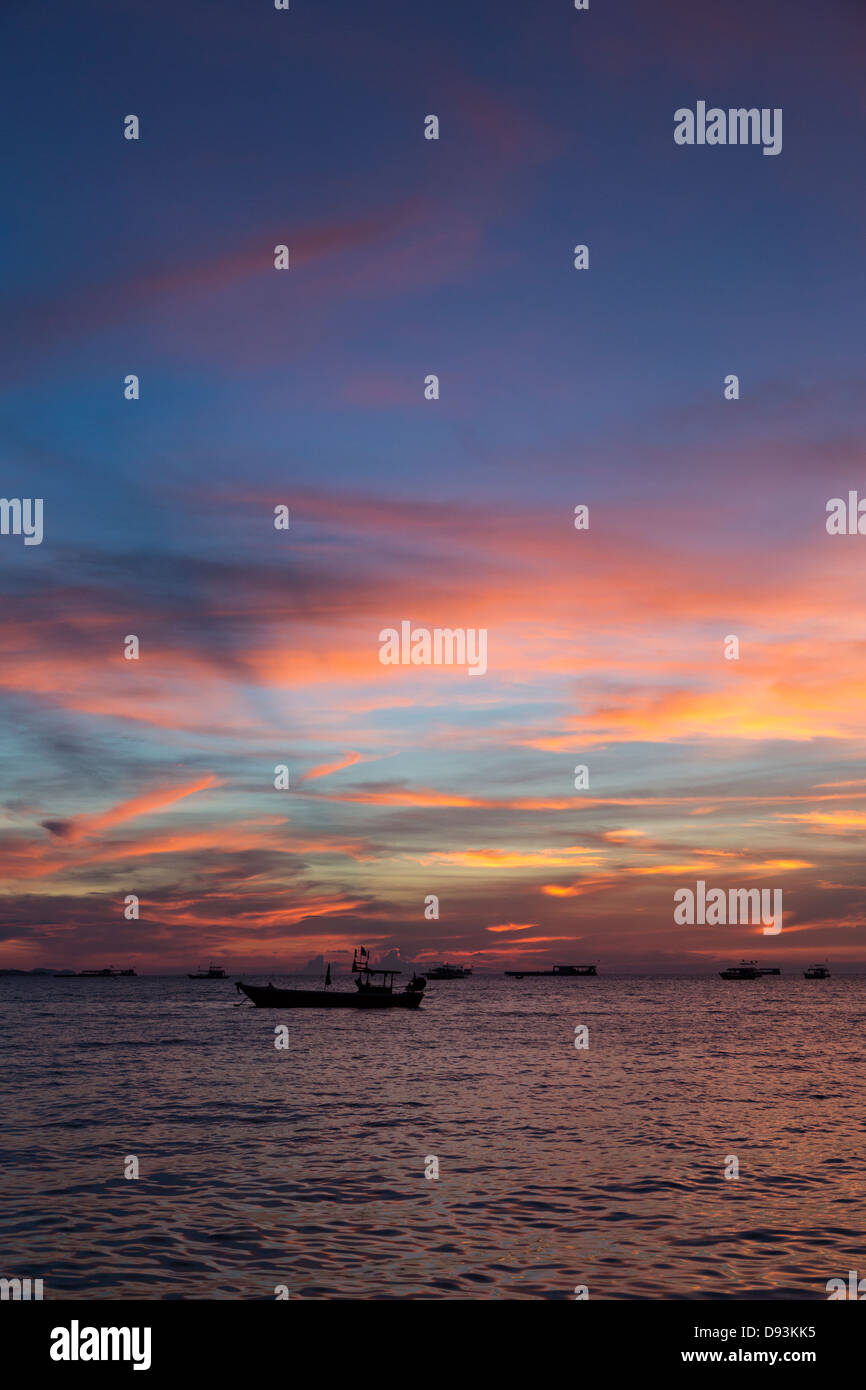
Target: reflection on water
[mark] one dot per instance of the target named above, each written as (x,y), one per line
(557,1167)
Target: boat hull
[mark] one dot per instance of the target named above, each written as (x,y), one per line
(269,997)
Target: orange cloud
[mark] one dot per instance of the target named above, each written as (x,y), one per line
(155,800)
(324,769)
(839,819)
(511,859)
(513,926)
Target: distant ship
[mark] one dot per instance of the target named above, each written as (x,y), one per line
(213,972)
(448,972)
(109,973)
(746,970)
(816,972)
(370,995)
(557,970)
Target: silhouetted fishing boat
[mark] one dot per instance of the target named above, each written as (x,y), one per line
(746,970)
(448,972)
(370,995)
(558,971)
(213,972)
(109,973)
(816,972)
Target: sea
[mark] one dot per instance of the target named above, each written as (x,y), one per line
(614,1138)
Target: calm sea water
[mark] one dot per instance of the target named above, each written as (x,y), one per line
(557,1167)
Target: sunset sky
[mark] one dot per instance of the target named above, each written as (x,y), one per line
(558,387)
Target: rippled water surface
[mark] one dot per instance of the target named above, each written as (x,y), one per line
(557,1167)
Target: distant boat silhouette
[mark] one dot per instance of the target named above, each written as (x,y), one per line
(816,972)
(213,972)
(746,970)
(448,972)
(558,971)
(370,995)
(109,973)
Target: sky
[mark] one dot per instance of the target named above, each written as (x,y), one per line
(304,388)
